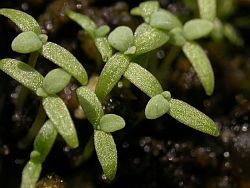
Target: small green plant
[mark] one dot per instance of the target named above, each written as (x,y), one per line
(120,49)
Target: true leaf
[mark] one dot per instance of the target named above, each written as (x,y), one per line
(156,107)
(23,73)
(111,74)
(90,104)
(45,139)
(143,79)
(148,38)
(84,21)
(192,117)
(176,37)
(102,31)
(207,9)
(23,20)
(121,38)
(63,58)
(104,48)
(26,42)
(111,123)
(31,174)
(201,64)
(106,152)
(55,81)
(163,19)
(59,115)
(197,28)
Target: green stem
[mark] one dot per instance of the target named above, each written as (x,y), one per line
(23,91)
(33,131)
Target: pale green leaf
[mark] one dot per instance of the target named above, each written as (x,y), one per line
(163,19)
(106,152)
(90,104)
(23,20)
(156,107)
(84,21)
(55,81)
(63,58)
(197,28)
(26,42)
(143,79)
(192,117)
(201,64)
(176,37)
(102,31)
(23,73)
(45,139)
(111,123)
(58,113)
(121,38)
(31,174)
(207,9)
(148,38)
(111,74)
(104,48)
(232,35)
(145,9)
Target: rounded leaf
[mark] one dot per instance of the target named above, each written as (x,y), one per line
(106,152)
(102,31)
(192,117)
(201,64)
(163,19)
(143,79)
(197,28)
(31,174)
(90,104)
(63,58)
(148,38)
(121,38)
(59,115)
(56,80)
(111,123)
(26,42)
(156,107)
(23,20)
(23,73)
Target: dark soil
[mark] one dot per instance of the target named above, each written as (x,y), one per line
(151,153)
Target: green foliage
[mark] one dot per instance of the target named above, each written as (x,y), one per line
(22,73)
(59,115)
(201,64)
(26,42)
(106,153)
(160,27)
(55,81)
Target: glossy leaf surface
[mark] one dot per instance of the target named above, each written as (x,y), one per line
(59,115)
(143,79)
(63,58)
(148,38)
(104,48)
(23,73)
(111,74)
(201,64)
(192,117)
(45,139)
(106,152)
(90,104)
(24,21)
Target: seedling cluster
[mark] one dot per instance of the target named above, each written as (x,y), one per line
(120,49)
